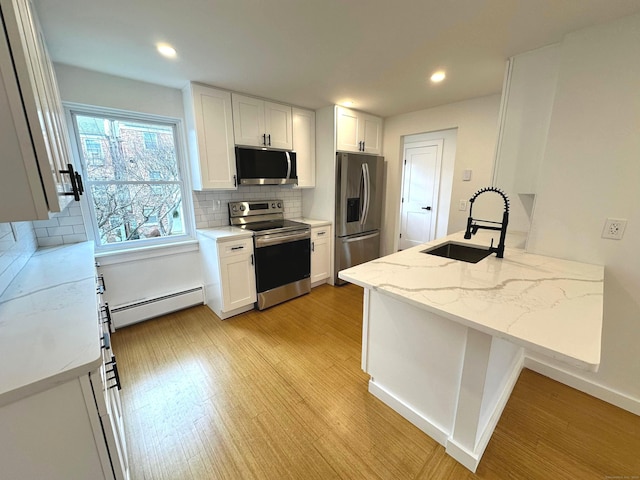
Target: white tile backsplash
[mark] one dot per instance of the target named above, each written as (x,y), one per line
(62,228)
(208,215)
(14,254)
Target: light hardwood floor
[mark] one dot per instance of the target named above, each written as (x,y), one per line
(279,394)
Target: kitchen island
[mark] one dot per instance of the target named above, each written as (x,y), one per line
(444,340)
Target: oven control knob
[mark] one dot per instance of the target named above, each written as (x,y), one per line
(242,208)
(235,208)
(279,204)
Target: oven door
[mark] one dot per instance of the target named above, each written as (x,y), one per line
(282,259)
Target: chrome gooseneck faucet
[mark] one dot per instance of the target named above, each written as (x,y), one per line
(472,227)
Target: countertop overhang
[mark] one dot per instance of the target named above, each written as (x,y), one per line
(49,331)
(545,304)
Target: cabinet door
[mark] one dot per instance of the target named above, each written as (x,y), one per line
(371,133)
(26,60)
(248,121)
(238,280)
(320,253)
(210,131)
(304,144)
(347,130)
(277,123)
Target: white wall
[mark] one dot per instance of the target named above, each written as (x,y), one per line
(476,121)
(131,278)
(591,171)
(93,88)
(14,251)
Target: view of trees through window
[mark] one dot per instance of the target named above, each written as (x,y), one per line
(131,177)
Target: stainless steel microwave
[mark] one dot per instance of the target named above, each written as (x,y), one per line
(266,167)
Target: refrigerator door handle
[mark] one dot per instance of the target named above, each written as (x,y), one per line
(360,238)
(367,193)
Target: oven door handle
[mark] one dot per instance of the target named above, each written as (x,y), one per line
(267,240)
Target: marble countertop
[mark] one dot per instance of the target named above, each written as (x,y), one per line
(544,304)
(49,330)
(313,223)
(225,233)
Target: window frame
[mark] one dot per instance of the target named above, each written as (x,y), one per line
(184,180)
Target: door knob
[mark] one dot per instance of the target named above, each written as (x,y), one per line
(426,208)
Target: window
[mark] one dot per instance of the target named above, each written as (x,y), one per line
(93,152)
(150,140)
(136,193)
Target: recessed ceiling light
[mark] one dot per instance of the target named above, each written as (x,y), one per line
(166,50)
(438,76)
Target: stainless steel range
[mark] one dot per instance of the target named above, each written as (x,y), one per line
(282,250)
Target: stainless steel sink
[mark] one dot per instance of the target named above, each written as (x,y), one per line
(456,251)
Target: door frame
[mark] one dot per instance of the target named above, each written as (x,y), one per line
(446,177)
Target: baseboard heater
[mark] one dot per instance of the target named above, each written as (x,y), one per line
(146,309)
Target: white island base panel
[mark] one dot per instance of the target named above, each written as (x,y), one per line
(449,380)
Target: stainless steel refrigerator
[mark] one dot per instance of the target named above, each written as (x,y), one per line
(358,210)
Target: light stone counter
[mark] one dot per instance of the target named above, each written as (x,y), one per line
(444,340)
(545,304)
(49,330)
(225,233)
(312,222)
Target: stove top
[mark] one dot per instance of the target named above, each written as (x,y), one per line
(262,217)
(274,226)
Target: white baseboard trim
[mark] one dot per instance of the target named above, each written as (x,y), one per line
(408,412)
(589,387)
(469,460)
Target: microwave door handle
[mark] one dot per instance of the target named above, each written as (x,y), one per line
(288,165)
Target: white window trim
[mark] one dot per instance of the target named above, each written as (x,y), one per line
(183,169)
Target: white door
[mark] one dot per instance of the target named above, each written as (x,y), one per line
(420,181)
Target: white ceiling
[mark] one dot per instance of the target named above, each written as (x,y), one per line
(313,53)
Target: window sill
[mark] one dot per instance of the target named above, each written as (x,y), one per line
(150,251)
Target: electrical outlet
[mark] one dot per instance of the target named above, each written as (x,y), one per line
(462,205)
(614,228)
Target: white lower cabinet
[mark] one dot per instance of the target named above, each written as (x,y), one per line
(320,254)
(229,273)
(72,430)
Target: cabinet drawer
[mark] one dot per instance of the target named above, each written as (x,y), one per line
(320,232)
(239,247)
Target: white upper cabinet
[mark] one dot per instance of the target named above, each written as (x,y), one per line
(209,123)
(527,102)
(304,144)
(358,132)
(36,178)
(259,123)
